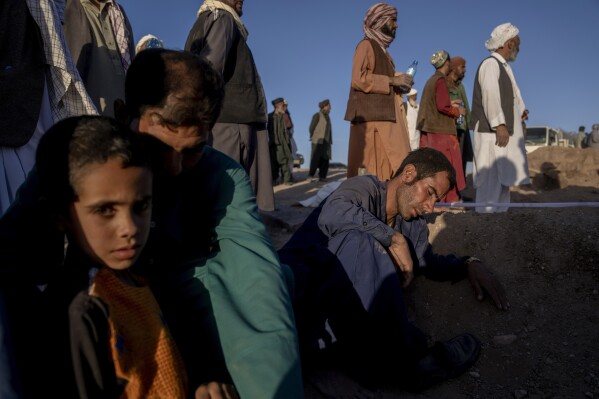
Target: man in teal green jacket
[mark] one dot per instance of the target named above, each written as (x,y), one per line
(210,260)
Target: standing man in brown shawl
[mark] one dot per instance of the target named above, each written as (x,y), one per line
(220,36)
(378,137)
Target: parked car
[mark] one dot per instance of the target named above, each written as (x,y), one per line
(298,160)
(544,136)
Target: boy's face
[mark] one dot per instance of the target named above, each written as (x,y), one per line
(110,217)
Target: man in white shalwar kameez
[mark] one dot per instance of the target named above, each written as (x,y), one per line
(498,115)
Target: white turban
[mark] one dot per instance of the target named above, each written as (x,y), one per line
(500,35)
(148,41)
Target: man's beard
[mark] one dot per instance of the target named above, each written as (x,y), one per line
(513,55)
(388,31)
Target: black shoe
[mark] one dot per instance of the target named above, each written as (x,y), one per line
(323,179)
(446,360)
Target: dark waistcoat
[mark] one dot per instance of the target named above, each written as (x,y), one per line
(429,118)
(506,92)
(22,74)
(244,102)
(365,107)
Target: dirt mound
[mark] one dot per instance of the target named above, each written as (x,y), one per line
(559,167)
(548,261)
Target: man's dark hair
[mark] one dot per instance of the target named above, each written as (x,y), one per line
(194,87)
(71,144)
(428,162)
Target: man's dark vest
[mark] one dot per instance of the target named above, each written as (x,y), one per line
(365,107)
(22,73)
(243,102)
(506,91)
(430,120)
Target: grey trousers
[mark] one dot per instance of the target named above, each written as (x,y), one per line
(248,145)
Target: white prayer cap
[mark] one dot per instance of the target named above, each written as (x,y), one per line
(412,92)
(148,41)
(500,35)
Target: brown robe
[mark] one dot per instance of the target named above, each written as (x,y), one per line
(378,146)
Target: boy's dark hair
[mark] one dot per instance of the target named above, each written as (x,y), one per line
(428,162)
(195,88)
(75,142)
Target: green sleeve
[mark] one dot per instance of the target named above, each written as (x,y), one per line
(250,297)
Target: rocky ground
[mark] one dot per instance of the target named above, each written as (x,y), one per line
(547,344)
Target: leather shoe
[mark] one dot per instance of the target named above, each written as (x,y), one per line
(446,360)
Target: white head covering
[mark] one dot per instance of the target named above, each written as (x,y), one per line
(500,35)
(412,92)
(148,41)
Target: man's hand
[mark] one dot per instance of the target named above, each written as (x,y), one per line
(399,250)
(402,80)
(502,136)
(525,115)
(216,390)
(482,278)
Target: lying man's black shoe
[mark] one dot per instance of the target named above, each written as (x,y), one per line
(446,360)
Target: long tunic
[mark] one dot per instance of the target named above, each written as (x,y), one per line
(377,146)
(93,45)
(412,117)
(494,165)
(446,143)
(281,147)
(459,93)
(321,138)
(240,130)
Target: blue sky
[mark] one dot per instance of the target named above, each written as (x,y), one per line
(304,50)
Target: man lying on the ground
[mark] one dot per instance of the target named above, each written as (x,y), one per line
(351,258)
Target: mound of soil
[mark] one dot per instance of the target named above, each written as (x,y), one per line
(558,167)
(547,344)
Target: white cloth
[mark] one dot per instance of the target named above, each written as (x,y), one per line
(148,41)
(412,117)
(214,6)
(500,35)
(493,165)
(324,192)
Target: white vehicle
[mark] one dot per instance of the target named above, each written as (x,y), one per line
(544,136)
